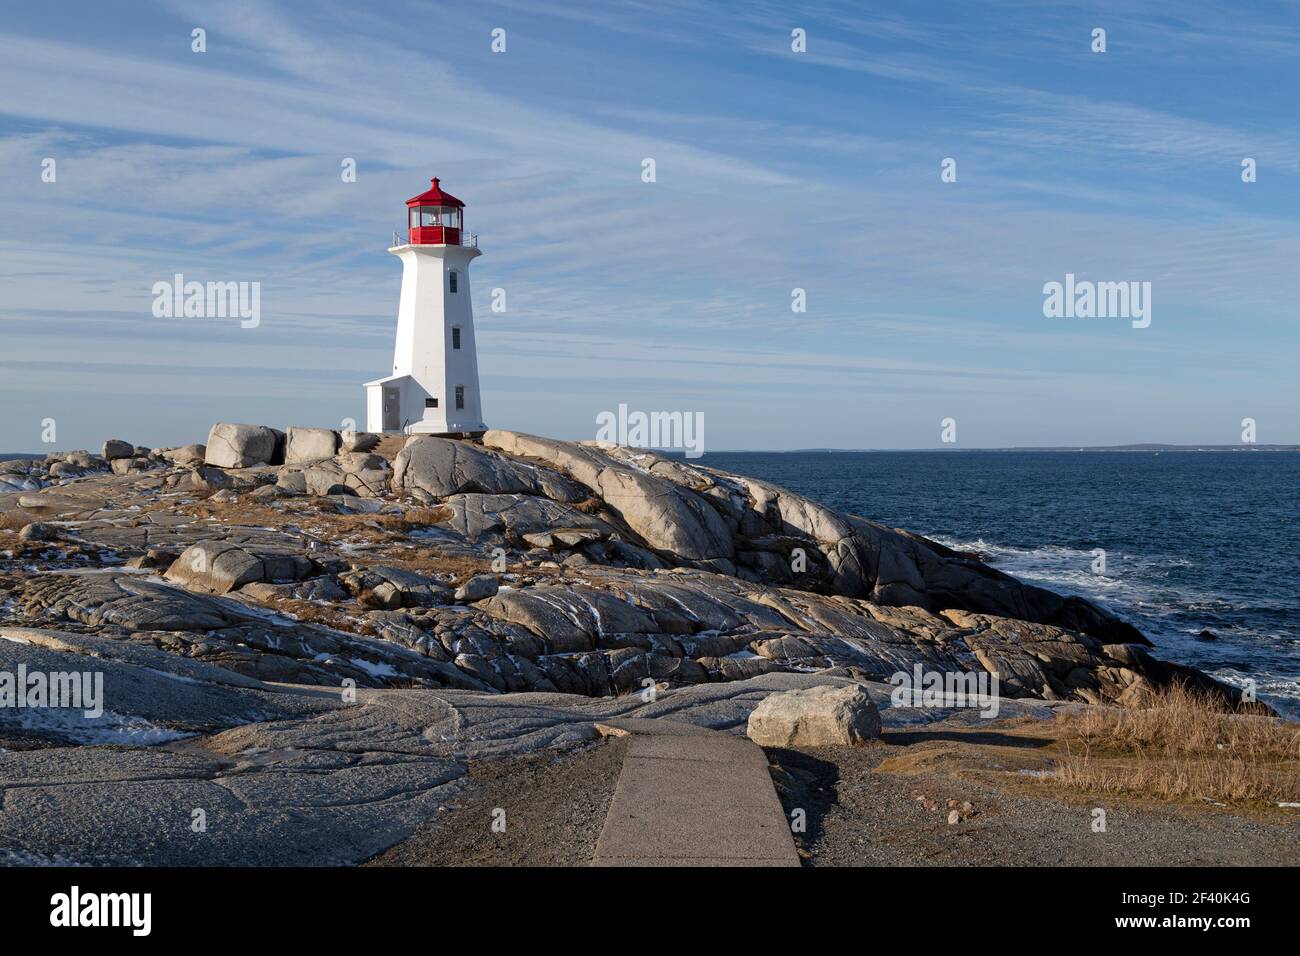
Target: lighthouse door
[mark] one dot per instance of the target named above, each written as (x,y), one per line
(391,403)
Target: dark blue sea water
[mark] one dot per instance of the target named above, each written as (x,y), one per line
(1194,541)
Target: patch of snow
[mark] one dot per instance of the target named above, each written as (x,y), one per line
(180,678)
(374,668)
(116,569)
(108,728)
(255,611)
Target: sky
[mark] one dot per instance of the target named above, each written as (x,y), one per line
(774,170)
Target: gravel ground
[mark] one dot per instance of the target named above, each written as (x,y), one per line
(555,805)
(858,815)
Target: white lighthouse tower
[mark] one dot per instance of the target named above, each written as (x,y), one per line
(434,386)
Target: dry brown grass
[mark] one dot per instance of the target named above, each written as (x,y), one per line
(383,536)
(1182,745)
(15,520)
(410,518)
(437,565)
(340,617)
(1181,719)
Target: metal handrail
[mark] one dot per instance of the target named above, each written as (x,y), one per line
(470,241)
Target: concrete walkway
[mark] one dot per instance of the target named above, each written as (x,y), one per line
(688,796)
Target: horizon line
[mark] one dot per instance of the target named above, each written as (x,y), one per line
(1064,449)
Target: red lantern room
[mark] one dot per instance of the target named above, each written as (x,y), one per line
(435,217)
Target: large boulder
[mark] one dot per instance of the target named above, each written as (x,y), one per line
(388,587)
(218,567)
(824,716)
(309,444)
(185,454)
(243,446)
(351,473)
(116,448)
(358,441)
(79,458)
(127,466)
(477,588)
(38,531)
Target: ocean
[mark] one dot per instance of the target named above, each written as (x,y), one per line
(1194,541)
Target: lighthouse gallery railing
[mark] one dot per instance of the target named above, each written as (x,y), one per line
(471,240)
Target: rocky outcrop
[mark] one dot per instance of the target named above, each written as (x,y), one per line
(660,513)
(705,518)
(512,519)
(612,569)
(351,473)
(441,466)
(345,633)
(32,474)
(388,588)
(20,475)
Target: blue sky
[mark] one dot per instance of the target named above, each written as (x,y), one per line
(775,170)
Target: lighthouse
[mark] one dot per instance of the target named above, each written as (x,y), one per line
(433,389)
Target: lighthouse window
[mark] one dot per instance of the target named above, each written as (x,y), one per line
(455,336)
(451,276)
(460,396)
(430,403)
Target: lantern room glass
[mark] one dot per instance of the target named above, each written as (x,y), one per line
(446,216)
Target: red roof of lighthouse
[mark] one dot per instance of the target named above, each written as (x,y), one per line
(435,197)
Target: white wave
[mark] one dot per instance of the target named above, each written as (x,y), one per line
(1138,588)
(1067,570)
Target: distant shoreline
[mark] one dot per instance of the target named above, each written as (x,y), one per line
(1071,449)
(1041,448)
